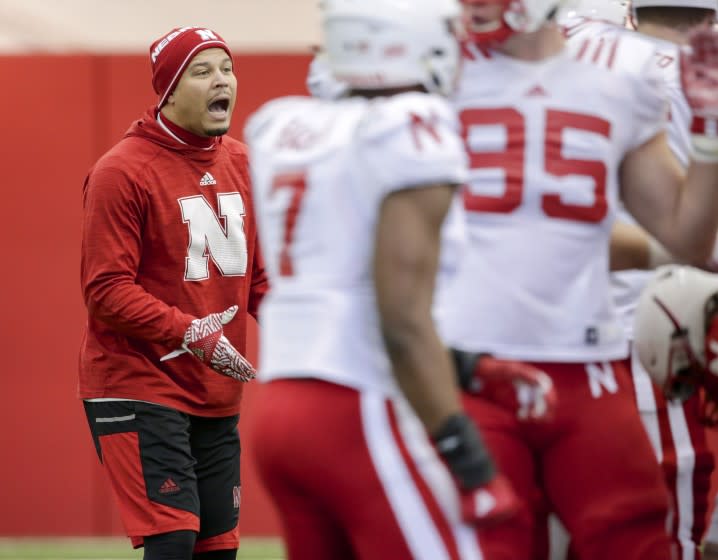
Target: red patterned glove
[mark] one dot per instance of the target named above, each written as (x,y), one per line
(699,77)
(517,386)
(205,340)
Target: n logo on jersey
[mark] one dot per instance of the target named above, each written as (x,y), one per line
(221,238)
(427,125)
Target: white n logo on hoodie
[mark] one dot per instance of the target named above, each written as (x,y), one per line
(220,237)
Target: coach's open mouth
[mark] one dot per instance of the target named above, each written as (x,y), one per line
(219,106)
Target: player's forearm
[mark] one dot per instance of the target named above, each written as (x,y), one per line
(132,311)
(696,219)
(678,208)
(406,258)
(685,217)
(423,370)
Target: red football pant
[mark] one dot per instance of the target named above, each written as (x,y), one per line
(679,441)
(354,476)
(593,464)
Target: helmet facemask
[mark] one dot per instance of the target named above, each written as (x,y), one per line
(709,381)
(684,368)
(687,373)
(444,64)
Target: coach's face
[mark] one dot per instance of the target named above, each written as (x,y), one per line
(204,98)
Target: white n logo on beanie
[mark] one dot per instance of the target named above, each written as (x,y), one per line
(206,34)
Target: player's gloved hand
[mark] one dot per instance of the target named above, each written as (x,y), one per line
(205,340)
(699,77)
(487,497)
(517,386)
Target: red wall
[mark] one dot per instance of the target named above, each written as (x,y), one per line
(58,114)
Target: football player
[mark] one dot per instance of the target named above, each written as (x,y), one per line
(360,436)
(674,428)
(676,341)
(555,138)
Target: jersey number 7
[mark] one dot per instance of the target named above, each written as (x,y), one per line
(297,183)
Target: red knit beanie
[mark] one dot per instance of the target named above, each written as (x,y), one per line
(171,53)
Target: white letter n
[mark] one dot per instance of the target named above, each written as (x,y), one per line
(206,34)
(601,376)
(208,238)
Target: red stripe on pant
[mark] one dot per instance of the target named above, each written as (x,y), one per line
(428,497)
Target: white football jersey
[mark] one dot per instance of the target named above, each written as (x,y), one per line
(545,142)
(593,36)
(320,171)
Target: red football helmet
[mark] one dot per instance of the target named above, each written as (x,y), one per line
(493,21)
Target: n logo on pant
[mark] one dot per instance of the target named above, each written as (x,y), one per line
(600,377)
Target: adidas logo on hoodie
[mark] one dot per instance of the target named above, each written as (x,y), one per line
(207,179)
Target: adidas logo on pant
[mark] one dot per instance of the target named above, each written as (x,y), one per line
(169,486)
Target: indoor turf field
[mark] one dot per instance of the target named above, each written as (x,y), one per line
(112,549)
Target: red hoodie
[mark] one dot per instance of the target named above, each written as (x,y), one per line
(169,236)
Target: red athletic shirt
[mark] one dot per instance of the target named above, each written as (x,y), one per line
(169,235)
